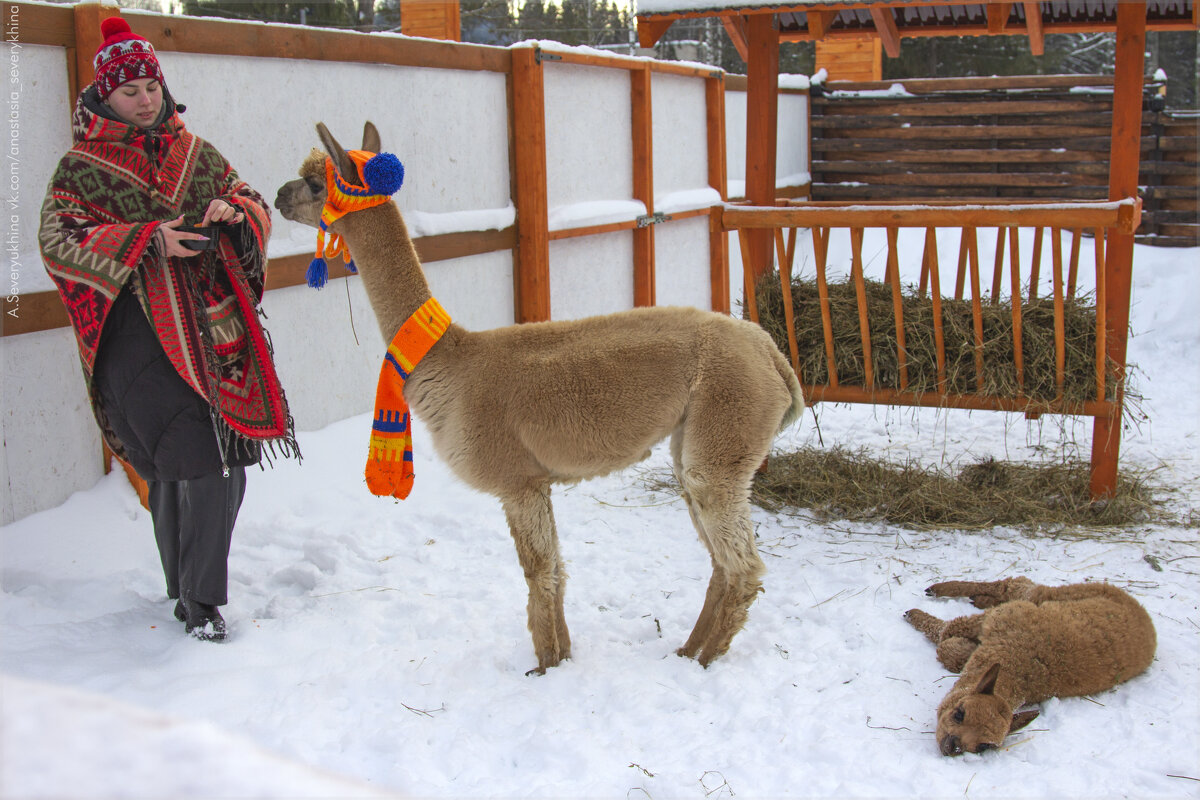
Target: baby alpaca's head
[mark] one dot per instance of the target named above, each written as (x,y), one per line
(976,720)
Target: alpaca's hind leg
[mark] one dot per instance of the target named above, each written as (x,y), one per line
(985,594)
(724,516)
(531,522)
(713,598)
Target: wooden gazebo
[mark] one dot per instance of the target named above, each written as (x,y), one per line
(758,28)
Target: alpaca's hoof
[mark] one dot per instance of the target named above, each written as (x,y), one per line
(919,619)
(546,663)
(686,652)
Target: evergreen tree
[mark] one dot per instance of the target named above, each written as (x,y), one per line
(321,13)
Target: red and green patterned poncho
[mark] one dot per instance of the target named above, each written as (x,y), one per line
(99,232)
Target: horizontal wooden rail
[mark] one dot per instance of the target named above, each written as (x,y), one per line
(1123,215)
(626,225)
(43,311)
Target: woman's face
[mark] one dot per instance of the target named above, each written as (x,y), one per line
(137,102)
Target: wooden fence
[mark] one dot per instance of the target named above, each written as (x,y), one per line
(77,30)
(1040,137)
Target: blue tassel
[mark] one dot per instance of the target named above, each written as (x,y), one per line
(351,267)
(318,273)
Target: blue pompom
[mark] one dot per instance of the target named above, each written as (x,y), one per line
(383,173)
(317,274)
(351,267)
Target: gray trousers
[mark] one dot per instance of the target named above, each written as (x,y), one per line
(193,526)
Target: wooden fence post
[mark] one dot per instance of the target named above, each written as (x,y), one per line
(531,267)
(718,239)
(762,115)
(643,183)
(1122,183)
(88,39)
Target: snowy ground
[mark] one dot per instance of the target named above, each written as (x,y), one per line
(379,648)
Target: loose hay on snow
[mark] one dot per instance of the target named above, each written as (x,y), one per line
(999,371)
(841,484)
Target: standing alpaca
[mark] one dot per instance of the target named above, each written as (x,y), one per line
(1035,642)
(514,410)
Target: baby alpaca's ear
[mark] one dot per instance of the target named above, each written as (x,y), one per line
(987,684)
(1022,718)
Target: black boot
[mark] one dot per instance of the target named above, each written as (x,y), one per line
(201,620)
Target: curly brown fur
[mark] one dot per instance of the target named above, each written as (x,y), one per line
(1033,643)
(517,409)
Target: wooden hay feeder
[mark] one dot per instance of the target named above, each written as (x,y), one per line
(757,31)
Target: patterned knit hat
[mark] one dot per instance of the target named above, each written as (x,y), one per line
(123,57)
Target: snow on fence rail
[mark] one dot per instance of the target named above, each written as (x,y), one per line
(542,181)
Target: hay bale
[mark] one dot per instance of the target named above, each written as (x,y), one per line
(851,485)
(999,369)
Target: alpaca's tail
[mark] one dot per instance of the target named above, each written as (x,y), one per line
(793,384)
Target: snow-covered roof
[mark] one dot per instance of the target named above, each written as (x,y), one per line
(819,18)
(937,17)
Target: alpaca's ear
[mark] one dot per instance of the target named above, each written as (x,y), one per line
(1022,718)
(371,138)
(987,684)
(345,166)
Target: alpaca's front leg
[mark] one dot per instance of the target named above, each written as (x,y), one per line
(984,594)
(531,522)
(927,624)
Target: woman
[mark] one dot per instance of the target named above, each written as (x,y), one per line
(177,365)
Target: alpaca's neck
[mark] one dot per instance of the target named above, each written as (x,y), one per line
(388,264)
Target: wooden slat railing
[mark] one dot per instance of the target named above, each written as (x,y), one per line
(1008,218)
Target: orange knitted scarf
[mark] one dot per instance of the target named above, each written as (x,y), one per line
(390,462)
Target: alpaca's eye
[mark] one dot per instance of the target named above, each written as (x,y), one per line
(315,185)
(959,715)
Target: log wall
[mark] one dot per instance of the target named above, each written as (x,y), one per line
(1039,137)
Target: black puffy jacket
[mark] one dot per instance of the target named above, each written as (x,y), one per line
(167,429)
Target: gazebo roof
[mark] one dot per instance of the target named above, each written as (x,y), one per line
(893,19)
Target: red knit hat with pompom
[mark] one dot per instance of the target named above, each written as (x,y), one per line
(123,57)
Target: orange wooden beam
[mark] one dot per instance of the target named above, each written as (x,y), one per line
(651,30)
(819,23)
(1122,182)
(1033,26)
(88,39)
(718,239)
(531,270)
(885,26)
(997,17)
(736,28)
(762,119)
(643,184)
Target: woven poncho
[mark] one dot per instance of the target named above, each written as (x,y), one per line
(102,210)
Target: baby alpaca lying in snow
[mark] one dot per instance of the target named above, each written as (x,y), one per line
(1035,642)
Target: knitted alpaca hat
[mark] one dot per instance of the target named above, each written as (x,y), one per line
(381,175)
(123,57)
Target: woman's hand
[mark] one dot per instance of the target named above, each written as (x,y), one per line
(220,211)
(173,238)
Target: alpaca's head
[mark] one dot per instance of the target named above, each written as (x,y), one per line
(301,200)
(977,720)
